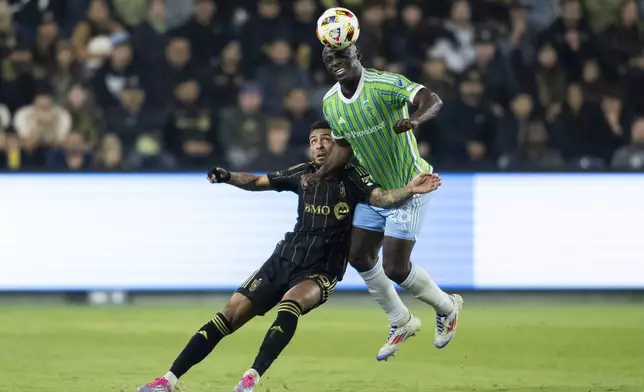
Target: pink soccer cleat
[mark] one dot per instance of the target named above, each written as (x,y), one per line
(158,385)
(248,382)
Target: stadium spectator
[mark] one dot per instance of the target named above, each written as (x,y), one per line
(267,24)
(132,118)
(467,127)
(373,37)
(301,116)
(306,44)
(435,76)
(631,157)
(457,41)
(110,154)
(574,129)
(514,124)
(149,38)
(549,81)
(205,31)
(572,37)
(190,132)
(114,75)
(20,78)
(66,71)
(42,123)
(615,116)
(601,13)
(415,36)
(242,129)
(165,75)
(29,13)
(624,38)
(44,50)
(276,155)
(97,24)
(8,34)
(612,125)
(5,118)
(148,154)
(85,115)
(73,155)
(633,84)
(130,12)
(520,45)
(14,157)
(279,77)
(592,82)
(498,79)
(534,152)
(227,77)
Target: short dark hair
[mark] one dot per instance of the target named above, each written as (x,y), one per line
(352,49)
(320,124)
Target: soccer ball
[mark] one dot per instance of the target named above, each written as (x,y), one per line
(338,28)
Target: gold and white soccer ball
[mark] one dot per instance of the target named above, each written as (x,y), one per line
(338,28)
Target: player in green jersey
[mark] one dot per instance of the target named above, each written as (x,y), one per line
(367,110)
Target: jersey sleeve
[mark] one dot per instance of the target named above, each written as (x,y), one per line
(359,183)
(401,89)
(287,179)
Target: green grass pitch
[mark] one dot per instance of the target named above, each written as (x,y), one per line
(517,346)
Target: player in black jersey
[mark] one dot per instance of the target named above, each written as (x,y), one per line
(305,266)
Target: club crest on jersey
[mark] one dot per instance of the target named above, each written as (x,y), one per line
(399,82)
(255,284)
(367,106)
(341,210)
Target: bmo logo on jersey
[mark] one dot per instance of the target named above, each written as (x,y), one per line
(317,210)
(340,210)
(366,132)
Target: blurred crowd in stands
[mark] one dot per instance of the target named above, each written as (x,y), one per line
(184,84)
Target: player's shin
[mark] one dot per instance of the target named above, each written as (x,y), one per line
(200,345)
(382,290)
(278,336)
(421,286)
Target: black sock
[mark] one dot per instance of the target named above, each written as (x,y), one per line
(278,336)
(201,344)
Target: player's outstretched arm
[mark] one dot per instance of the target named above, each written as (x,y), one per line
(429,104)
(424,182)
(245,181)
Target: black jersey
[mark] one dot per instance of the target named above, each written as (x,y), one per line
(324,215)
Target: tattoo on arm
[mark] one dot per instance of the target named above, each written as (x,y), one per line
(429,104)
(385,199)
(249,182)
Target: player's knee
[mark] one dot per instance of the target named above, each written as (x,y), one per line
(397,270)
(362,262)
(237,310)
(307,294)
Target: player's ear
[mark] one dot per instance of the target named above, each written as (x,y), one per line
(358,54)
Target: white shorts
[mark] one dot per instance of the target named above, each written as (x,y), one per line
(404,221)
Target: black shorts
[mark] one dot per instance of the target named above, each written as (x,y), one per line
(266,287)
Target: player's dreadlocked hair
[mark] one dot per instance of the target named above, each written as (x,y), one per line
(320,124)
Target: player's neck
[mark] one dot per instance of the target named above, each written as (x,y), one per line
(350,85)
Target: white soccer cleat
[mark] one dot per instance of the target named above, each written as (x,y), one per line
(446,323)
(248,382)
(397,336)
